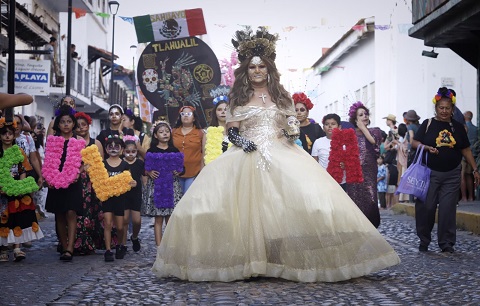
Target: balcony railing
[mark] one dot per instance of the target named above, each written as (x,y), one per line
(80,78)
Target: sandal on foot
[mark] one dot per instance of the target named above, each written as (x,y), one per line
(19,256)
(66,256)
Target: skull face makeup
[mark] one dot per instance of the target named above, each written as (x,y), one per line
(130,152)
(150,80)
(257,72)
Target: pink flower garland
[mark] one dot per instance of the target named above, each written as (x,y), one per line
(53,155)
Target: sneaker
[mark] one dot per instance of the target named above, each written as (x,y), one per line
(18,255)
(108,255)
(120,252)
(135,244)
(4,256)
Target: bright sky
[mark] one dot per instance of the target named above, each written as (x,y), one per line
(304,26)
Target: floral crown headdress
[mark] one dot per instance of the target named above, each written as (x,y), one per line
(58,112)
(115,136)
(3,123)
(220,93)
(300,97)
(353,109)
(159,122)
(444,94)
(249,44)
(129,112)
(133,138)
(83,116)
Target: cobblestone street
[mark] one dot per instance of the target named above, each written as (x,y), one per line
(431,278)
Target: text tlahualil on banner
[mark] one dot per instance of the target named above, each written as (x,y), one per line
(166,26)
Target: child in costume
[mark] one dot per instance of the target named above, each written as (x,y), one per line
(161,143)
(382,182)
(134,196)
(114,207)
(18,222)
(61,170)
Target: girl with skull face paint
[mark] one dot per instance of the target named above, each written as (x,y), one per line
(115,115)
(134,196)
(280,214)
(114,207)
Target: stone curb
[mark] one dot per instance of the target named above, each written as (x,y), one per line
(468,221)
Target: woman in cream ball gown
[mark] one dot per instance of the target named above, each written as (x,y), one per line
(265,208)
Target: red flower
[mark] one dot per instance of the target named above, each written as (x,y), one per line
(300,97)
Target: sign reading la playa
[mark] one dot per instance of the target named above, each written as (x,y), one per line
(31,77)
(174,44)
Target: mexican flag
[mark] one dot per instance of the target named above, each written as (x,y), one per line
(166,26)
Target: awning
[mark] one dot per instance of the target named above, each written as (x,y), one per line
(95,53)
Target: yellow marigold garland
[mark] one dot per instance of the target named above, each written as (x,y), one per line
(105,187)
(213,144)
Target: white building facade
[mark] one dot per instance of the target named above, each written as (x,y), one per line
(385,70)
(90,72)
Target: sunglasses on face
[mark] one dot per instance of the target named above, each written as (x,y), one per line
(186,114)
(302,109)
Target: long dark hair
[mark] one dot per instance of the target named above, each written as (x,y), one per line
(242,90)
(214,120)
(154,142)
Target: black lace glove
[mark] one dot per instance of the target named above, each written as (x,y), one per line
(224,146)
(235,138)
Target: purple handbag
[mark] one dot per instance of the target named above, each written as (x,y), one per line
(416,179)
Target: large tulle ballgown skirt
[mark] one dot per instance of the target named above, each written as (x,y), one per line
(292,221)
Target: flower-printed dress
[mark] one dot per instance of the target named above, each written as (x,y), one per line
(18,221)
(89,235)
(148,205)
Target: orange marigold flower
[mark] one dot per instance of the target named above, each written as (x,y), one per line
(17,231)
(17,203)
(27,200)
(4,232)
(35,227)
(4,217)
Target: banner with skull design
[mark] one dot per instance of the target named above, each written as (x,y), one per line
(177,73)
